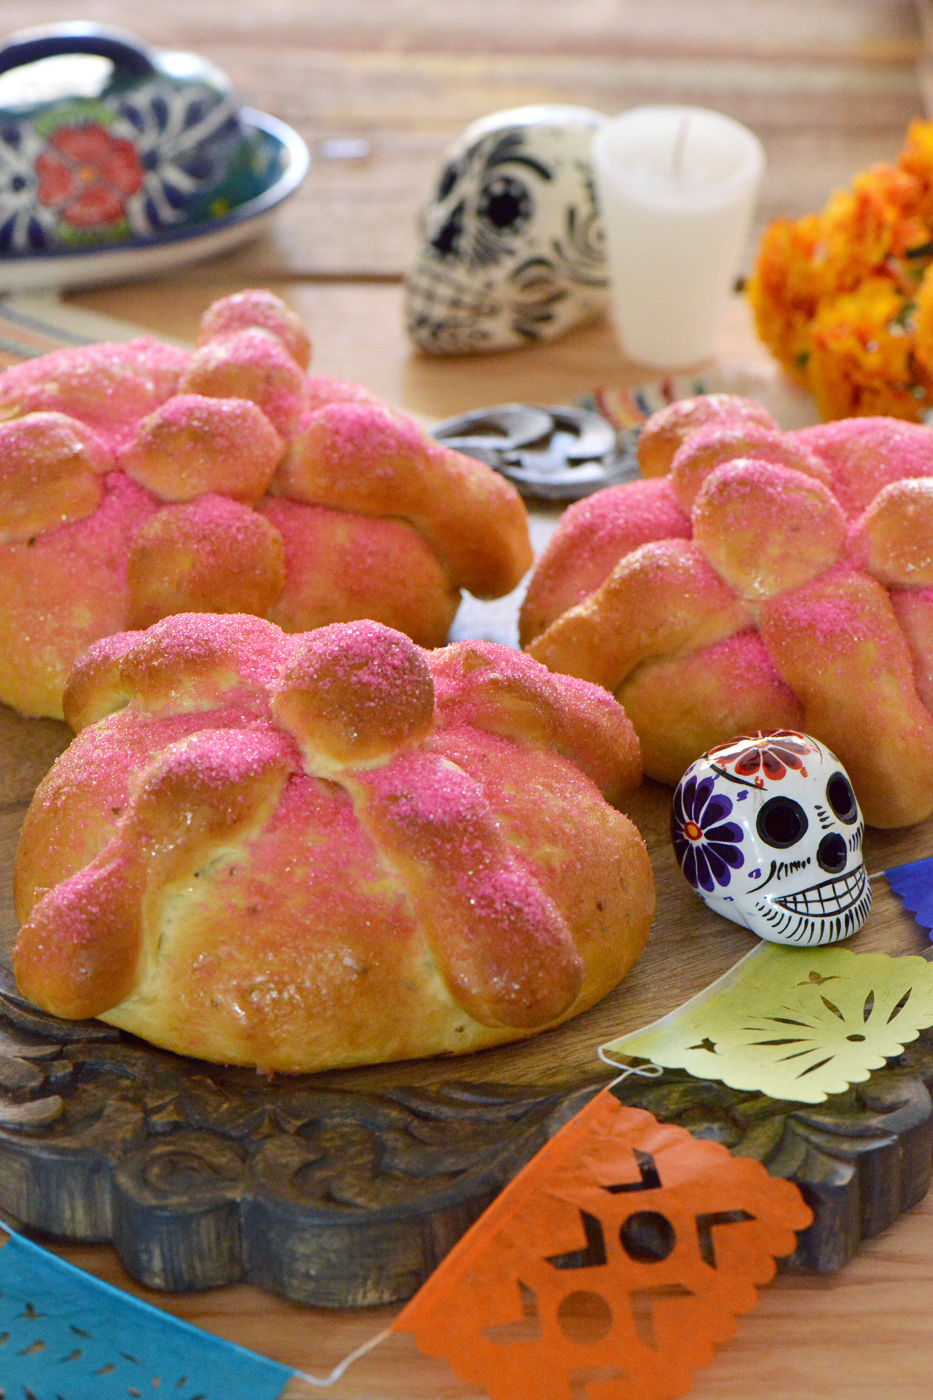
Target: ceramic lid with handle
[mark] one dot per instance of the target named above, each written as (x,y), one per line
(104,141)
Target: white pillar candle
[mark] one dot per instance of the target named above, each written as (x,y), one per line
(677,186)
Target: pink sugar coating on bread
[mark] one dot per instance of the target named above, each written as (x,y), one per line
(502,945)
(238,881)
(209,554)
(321,389)
(492,688)
(354,694)
(84,566)
(49,473)
(210,524)
(365,437)
(744,658)
(106,753)
(893,538)
(367,459)
(45,429)
(838,644)
(591,538)
(342,874)
(406,567)
(672,425)
(100,541)
(212,510)
(348,928)
(781,499)
(332,558)
(828,559)
(249,364)
(434,802)
(89,785)
(716,443)
(681,704)
(220,758)
(865,454)
(641,510)
(83,930)
(108,386)
(370,671)
(362,654)
(192,444)
(824,614)
(261,310)
(444,814)
(257,650)
(466,673)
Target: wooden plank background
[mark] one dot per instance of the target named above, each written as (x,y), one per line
(828,85)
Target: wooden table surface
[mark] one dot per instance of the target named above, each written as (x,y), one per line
(829,87)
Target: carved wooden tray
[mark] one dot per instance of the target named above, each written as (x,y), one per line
(348,1188)
(203,1175)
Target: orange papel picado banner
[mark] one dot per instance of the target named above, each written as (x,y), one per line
(610,1267)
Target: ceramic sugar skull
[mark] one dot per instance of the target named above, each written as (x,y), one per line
(768,832)
(513,240)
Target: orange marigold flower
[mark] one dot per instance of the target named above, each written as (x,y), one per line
(862,359)
(834,293)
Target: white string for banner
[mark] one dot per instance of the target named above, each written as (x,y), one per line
(648,1071)
(347,1361)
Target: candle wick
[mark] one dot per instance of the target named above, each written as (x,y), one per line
(677,154)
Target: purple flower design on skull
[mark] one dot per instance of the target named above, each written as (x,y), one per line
(705,843)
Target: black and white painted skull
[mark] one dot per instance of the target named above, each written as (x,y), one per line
(512,246)
(768,832)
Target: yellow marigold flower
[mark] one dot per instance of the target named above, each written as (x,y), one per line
(864,225)
(917,160)
(862,359)
(785,289)
(923,323)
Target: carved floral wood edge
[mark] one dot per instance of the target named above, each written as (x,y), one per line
(203,1175)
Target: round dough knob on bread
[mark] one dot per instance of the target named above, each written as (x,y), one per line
(336,848)
(193,444)
(257,309)
(50,467)
(665,431)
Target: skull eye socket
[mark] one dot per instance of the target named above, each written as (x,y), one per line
(445,184)
(831,853)
(841,798)
(782,822)
(505,204)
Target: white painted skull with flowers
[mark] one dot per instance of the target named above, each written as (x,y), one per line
(768,831)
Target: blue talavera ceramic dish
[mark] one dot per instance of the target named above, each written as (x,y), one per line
(108,144)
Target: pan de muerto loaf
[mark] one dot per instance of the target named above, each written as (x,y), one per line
(328,849)
(758,580)
(139,480)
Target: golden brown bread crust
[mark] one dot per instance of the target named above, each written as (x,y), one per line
(398,471)
(140,480)
(303,852)
(667,430)
(802,599)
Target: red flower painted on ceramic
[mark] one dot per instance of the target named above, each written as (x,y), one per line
(760,756)
(88,174)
